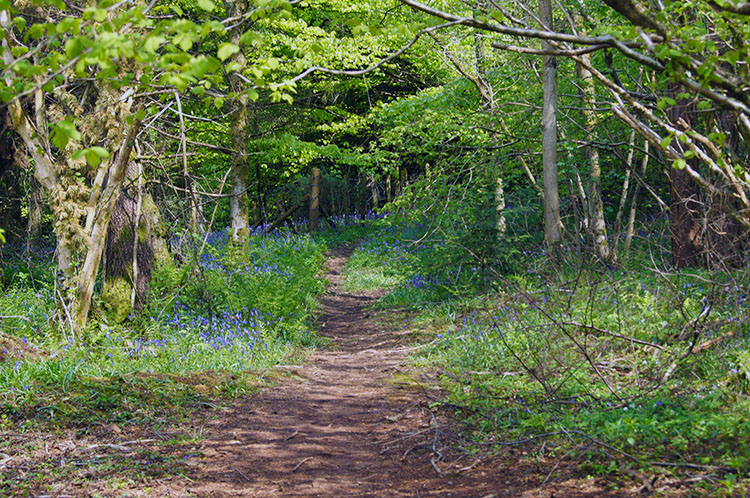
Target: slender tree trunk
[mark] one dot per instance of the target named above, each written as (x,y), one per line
(625,191)
(34,225)
(598,227)
(388,187)
(634,201)
(314,199)
(374,191)
(346,197)
(500,208)
(240,169)
(362,195)
(552,223)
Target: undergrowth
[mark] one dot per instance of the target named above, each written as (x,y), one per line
(227,311)
(631,366)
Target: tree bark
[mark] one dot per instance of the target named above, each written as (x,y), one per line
(129,257)
(374,191)
(685,225)
(553,228)
(34,224)
(314,200)
(240,169)
(597,227)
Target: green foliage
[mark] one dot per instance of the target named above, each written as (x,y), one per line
(574,350)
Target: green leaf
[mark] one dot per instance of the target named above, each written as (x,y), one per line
(679,164)
(94,156)
(98,15)
(218,102)
(666,141)
(206,5)
(63,132)
(233,67)
(153,43)
(226,50)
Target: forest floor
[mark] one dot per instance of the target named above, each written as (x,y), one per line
(356,420)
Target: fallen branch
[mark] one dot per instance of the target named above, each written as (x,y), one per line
(698,349)
(613,334)
(283,216)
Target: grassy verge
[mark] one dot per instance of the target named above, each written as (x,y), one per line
(229,310)
(630,367)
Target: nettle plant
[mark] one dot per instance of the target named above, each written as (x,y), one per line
(80,82)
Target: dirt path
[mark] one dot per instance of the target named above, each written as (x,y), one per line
(341,427)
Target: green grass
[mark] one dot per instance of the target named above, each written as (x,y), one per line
(235,310)
(210,324)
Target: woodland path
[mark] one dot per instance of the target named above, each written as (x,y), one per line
(341,427)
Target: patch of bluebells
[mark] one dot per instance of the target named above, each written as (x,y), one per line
(475,330)
(396,241)
(423,282)
(228,330)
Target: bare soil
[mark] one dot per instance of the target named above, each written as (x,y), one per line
(355,421)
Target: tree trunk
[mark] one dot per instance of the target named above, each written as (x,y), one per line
(374,190)
(634,200)
(500,208)
(685,225)
(625,191)
(597,227)
(314,200)
(34,225)
(109,196)
(552,223)
(240,172)
(129,250)
(362,195)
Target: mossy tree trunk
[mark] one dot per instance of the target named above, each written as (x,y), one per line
(134,242)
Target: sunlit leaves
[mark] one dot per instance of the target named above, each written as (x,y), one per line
(226,50)
(63,132)
(207,5)
(93,155)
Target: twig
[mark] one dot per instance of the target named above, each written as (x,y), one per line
(407,437)
(555,468)
(613,334)
(4,317)
(435,439)
(434,466)
(243,474)
(292,436)
(300,464)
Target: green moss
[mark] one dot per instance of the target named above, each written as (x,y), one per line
(116,299)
